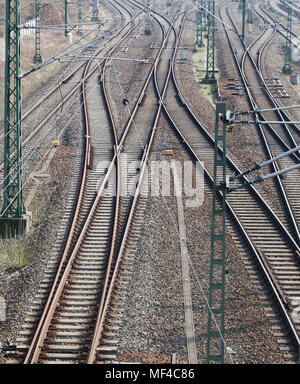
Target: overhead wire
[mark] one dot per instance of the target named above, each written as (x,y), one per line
(190,261)
(81,47)
(33,149)
(26,157)
(50,147)
(12,171)
(164,199)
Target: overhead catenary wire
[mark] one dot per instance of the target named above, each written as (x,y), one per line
(193,269)
(49,148)
(260,179)
(81,47)
(58,26)
(197,5)
(26,157)
(189,259)
(140,61)
(60,53)
(10,174)
(56,57)
(177,231)
(267,162)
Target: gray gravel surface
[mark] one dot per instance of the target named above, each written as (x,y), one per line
(153,325)
(154,307)
(19,288)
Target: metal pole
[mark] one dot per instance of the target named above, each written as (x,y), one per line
(199,22)
(37,57)
(210,53)
(287,68)
(80,17)
(244,20)
(12,183)
(66,18)
(215,334)
(148,27)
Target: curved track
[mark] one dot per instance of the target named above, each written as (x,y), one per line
(283,271)
(70,325)
(78,319)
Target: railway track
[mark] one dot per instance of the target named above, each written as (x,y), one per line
(76,316)
(293,4)
(261,238)
(256,226)
(275,138)
(285,269)
(63,332)
(293,136)
(275,21)
(39,138)
(86,194)
(64,89)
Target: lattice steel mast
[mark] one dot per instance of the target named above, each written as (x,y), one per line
(148,22)
(79,17)
(244,20)
(66,18)
(250,13)
(210,55)
(13,208)
(216,313)
(287,68)
(37,56)
(95,11)
(199,23)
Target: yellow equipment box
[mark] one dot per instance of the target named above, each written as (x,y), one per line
(169,152)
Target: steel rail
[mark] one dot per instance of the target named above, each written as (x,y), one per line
(285,115)
(288,235)
(267,206)
(108,283)
(67,97)
(278,22)
(81,237)
(106,302)
(41,330)
(253,105)
(258,65)
(283,5)
(271,100)
(272,286)
(59,84)
(277,293)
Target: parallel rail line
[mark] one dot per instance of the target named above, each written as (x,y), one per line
(46,345)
